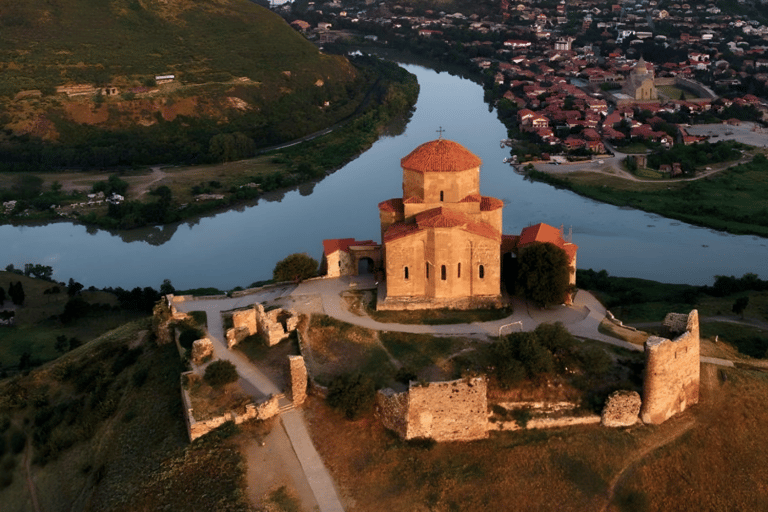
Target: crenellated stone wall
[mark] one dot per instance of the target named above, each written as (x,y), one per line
(444,411)
(672,369)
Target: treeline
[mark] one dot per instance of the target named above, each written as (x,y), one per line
(622,291)
(696,155)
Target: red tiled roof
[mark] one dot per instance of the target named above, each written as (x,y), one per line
(545,233)
(399,230)
(440,218)
(488,204)
(472,198)
(343,244)
(413,200)
(391,205)
(440,155)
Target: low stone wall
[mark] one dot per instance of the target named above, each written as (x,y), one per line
(537,423)
(622,409)
(672,370)
(261,411)
(444,411)
(192,298)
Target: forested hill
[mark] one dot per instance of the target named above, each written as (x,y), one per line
(75,71)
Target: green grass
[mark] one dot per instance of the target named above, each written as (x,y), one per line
(649,174)
(439,316)
(419,351)
(37,325)
(732,201)
(748,340)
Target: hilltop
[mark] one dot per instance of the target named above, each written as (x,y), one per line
(126,82)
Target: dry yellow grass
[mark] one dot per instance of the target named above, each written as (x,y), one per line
(707,458)
(622,333)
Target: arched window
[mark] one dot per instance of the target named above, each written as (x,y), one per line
(442,273)
(405,271)
(481,271)
(459,272)
(441,196)
(427,267)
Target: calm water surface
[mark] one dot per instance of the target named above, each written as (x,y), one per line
(237,247)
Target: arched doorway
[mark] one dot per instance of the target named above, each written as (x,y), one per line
(365,265)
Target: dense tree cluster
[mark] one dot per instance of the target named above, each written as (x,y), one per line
(548,349)
(296,267)
(543,274)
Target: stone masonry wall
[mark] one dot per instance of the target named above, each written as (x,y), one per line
(444,411)
(298,371)
(274,325)
(195,429)
(671,371)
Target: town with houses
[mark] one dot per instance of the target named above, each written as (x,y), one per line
(576,74)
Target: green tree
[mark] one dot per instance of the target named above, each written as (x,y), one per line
(296,267)
(740,305)
(166,288)
(543,273)
(61,344)
(16,291)
(73,288)
(351,393)
(219,373)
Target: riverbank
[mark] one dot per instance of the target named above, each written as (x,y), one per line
(168,194)
(732,201)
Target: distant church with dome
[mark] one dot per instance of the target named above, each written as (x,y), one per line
(442,244)
(639,85)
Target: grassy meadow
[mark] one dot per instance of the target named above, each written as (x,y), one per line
(732,200)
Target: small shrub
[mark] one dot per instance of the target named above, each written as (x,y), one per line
(18,441)
(405,375)
(351,393)
(189,335)
(219,373)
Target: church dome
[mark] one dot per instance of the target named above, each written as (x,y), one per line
(641,67)
(440,155)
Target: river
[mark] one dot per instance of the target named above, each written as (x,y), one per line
(238,247)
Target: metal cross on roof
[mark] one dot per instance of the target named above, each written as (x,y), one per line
(440,131)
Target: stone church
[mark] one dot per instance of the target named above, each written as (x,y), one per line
(442,242)
(639,85)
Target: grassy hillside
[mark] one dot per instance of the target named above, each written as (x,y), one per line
(101,428)
(49,43)
(243,80)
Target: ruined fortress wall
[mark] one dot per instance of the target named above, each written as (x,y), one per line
(449,411)
(671,370)
(392,410)
(245,318)
(195,429)
(298,372)
(444,411)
